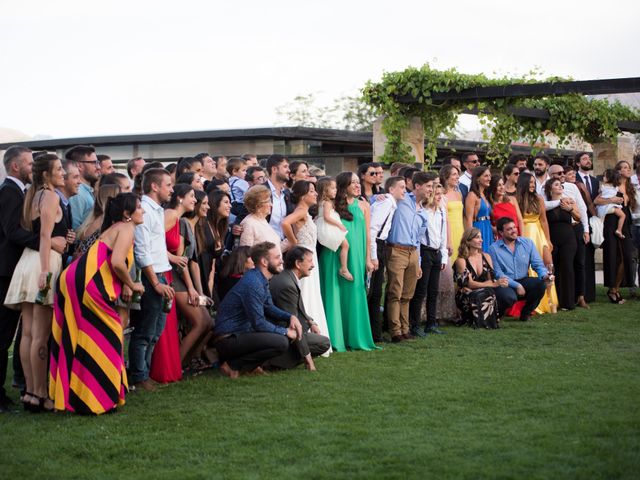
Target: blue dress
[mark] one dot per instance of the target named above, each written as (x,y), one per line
(483,223)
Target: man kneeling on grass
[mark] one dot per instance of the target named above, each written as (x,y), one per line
(244,338)
(285,290)
(512,258)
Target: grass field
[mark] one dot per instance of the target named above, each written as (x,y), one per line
(557,397)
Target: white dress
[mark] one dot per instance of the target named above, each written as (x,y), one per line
(307,237)
(607,191)
(329,235)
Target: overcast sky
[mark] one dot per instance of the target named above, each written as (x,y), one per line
(81,68)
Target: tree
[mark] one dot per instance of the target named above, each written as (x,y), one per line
(345,112)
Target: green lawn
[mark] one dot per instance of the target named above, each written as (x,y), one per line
(557,397)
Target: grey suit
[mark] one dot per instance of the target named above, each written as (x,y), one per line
(285,292)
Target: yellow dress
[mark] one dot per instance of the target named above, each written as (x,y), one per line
(533,231)
(456,226)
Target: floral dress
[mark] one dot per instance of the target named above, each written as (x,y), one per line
(479,307)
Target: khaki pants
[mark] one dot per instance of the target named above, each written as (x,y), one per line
(402,275)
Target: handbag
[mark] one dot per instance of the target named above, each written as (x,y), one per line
(597,231)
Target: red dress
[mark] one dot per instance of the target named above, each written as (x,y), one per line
(504,209)
(165,362)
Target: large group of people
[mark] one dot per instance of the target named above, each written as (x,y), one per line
(265,265)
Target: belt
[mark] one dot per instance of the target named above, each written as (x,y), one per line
(401,247)
(482,219)
(431,249)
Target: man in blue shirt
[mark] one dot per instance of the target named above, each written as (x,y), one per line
(244,338)
(512,256)
(403,257)
(84,156)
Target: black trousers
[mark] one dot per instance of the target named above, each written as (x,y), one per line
(311,343)
(375,293)
(247,351)
(8,324)
(589,273)
(579,265)
(427,287)
(534,291)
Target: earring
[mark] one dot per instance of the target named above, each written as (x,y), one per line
(127,219)
(180,201)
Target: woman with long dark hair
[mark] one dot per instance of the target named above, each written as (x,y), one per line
(477,206)
(617,252)
(211,234)
(232,269)
(536,228)
(87,369)
(298,170)
(192,303)
(502,204)
(32,285)
(300,229)
(346,301)
(564,244)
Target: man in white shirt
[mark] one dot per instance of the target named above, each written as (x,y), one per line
(541,164)
(581,228)
(382,210)
(151,256)
(583,162)
(469,161)
(433,257)
(278,174)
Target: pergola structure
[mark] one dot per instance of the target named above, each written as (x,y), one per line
(519,90)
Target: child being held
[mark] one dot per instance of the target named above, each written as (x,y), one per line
(609,189)
(331,232)
(237,169)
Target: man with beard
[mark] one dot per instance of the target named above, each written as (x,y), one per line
(278,174)
(244,338)
(106,165)
(592,184)
(285,290)
(519,160)
(540,165)
(84,156)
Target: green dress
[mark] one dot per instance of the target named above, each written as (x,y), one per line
(346,302)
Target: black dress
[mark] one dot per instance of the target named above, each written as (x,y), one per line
(616,251)
(206,257)
(479,307)
(565,247)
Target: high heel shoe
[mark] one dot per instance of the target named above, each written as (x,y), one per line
(41,406)
(615,297)
(26,404)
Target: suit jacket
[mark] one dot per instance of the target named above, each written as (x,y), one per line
(595,186)
(13,238)
(285,293)
(287,200)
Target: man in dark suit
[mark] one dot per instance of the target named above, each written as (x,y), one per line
(584,165)
(285,291)
(18,163)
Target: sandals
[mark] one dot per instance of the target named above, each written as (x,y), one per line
(615,297)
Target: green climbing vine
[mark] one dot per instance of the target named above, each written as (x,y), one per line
(570,115)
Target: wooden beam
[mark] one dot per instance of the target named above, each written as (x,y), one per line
(531,90)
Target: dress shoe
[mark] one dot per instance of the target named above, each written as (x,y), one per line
(408,336)
(417,332)
(525,317)
(145,385)
(434,330)
(397,338)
